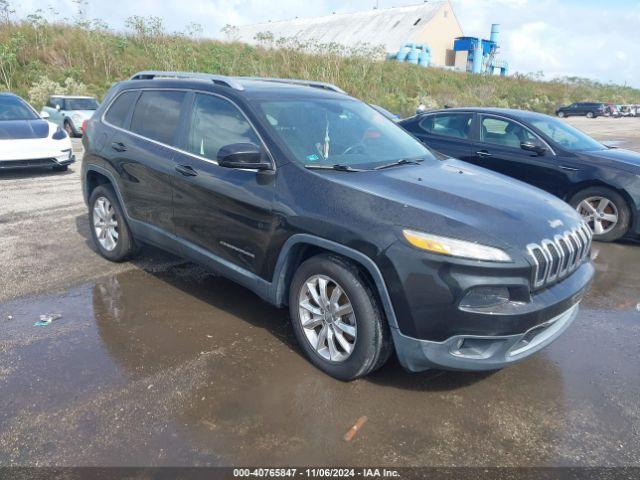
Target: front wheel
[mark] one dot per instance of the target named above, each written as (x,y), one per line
(109,230)
(605,211)
(590,115)
(336,318)
(69,129)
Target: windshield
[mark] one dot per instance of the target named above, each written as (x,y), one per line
(566,136)
(80,104)
(336,131)
(14,108)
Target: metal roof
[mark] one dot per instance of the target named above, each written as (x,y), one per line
(388,28)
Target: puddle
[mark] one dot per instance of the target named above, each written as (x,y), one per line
(183,368)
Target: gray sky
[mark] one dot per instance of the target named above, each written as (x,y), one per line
(587,38)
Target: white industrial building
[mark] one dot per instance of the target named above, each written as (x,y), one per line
(432,23)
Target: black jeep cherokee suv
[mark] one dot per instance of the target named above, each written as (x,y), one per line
(314,200)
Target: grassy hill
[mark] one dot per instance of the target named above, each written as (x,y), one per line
(38,58)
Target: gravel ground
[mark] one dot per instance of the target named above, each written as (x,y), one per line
(157,362)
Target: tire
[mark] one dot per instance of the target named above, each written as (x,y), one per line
(560,114)
(610,231)
(370,341)
(124,246)
(590,115)
(69,129)
(61,168)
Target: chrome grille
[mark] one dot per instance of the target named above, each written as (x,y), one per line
(556,258)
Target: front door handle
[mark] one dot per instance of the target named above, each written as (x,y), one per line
(186,170)
(571,169)
(119,147)
(483,154)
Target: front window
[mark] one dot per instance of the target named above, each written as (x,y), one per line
(566,136)
(81,104)
(14,108)
(215,123)
(504,132)
(337,131)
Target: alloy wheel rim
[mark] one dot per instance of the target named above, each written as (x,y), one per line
(600,213)
(105,223)
(327,318)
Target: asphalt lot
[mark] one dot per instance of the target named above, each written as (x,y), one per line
(158,362)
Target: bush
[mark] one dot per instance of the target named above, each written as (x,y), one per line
(44,87)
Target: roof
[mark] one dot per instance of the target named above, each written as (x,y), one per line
(389,28)
(70,96)
(250,87)
(507,112)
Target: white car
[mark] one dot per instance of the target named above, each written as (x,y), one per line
(28,140)
(70,112)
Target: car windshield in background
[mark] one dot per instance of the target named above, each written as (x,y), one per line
(344,132)
(565,135)
(81,104)
(12,108)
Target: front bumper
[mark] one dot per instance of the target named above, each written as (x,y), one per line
(473,352)
(36,163)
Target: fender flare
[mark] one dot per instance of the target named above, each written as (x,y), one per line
(285,256)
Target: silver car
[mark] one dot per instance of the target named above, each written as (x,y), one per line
(69,112)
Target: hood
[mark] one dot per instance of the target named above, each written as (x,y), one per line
(616,158)
(23,129)
(454,198)
(86,114)
(34,146)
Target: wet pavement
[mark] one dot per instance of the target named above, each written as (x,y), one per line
(178,367)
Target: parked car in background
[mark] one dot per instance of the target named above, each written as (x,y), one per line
(27,140)
(582,109)
(70,112)
(600,182)
(315,200)
(391,116)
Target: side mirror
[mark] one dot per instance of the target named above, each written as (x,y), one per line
(58,107)
(243,155)
(44,115)
(533,147)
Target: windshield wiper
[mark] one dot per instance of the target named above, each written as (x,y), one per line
(402,161)
(338,166)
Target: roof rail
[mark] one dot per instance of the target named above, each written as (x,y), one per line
(306,83)
(217,79)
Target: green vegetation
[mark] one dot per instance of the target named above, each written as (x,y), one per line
(40,56)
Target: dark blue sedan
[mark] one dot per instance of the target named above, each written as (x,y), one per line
(601,182)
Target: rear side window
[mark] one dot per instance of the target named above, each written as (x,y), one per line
(156,115)
(457,125)
(118,111)
(215,123)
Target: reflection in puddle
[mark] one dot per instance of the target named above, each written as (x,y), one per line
(182,367)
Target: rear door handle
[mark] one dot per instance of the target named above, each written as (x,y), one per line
(119,147)
(483,153)
(186,170)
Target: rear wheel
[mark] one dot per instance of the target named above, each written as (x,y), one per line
(605,211)
(109,230)
(561,114)
(336,318)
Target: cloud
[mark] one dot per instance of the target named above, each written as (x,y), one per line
(559,37)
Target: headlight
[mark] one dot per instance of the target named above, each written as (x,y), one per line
(454,247)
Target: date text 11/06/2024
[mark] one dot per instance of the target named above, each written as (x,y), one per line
(316,472)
